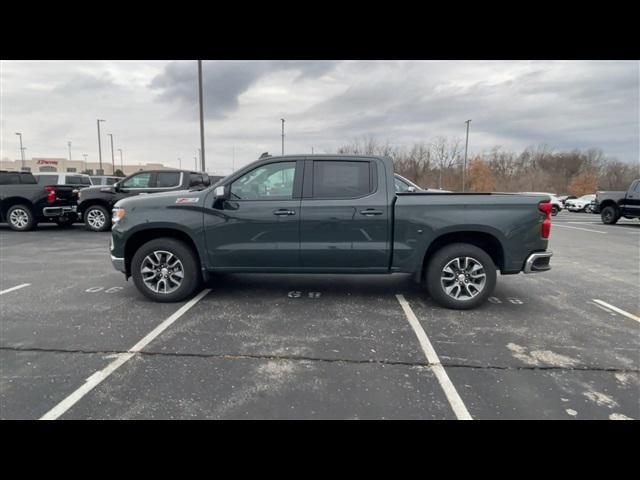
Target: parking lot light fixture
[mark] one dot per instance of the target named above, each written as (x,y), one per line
(100,144)
(21,149)
(121,161)
(113,162)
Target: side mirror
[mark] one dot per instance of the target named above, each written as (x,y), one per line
(116,186)
(220,193)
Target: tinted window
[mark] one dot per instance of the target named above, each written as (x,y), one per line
(141,180)
(112,180)
(9,178)
(268,182)
(47,179)
(28,178)
(73,179)
(96,180)
(339,179)
(168,179)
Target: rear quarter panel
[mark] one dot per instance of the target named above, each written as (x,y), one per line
(514,220)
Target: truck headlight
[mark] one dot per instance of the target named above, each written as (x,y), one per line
(118,214)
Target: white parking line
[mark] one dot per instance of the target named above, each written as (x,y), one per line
(97,378)
(577,228)
(616,309)
(450,391)
(17,287)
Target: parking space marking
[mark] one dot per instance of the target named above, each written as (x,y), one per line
(95,379)
(618,310)
(449,389)
(578,228)
(17,287)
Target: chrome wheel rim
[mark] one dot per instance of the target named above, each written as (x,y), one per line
(19,218)
(463,278)
(162,272)
(96,218)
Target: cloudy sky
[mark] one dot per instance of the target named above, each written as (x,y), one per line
(151,106)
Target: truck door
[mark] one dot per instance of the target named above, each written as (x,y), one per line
(258,227)
(632,201)
(344,221)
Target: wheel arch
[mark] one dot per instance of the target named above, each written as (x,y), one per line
(9,202)
(483,240)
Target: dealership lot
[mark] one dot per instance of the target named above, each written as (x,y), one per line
(560,345)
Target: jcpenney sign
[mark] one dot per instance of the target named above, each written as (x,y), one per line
(47,162)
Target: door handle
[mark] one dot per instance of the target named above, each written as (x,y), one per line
(370,211)
(284,211)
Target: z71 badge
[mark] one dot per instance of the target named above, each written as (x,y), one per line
(187,200)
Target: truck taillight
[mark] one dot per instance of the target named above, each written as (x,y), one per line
(545,207)
(51,194)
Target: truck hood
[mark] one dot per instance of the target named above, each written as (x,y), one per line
(176,197)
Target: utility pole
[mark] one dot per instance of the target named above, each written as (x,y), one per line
(113,161)
(100,146)
(466,146)
(311,150)
(282,136)
(121,161)
(85,161)
(69,144)
(200,157)
(233,160)
(179,163)
(21,149)
(201,114)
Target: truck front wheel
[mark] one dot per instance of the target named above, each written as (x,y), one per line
(460,276)
(165,270)
(609,215)
(97,218)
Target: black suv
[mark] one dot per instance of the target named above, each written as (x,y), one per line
(95,204)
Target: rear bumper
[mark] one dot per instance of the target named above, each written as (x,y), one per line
(538,262)
(59,211)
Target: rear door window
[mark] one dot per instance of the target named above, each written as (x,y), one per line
(9,178)
(341,179)
(167,179)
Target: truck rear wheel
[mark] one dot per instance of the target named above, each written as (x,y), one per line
(20,218)
(460,276)
(609,215)
(165,270)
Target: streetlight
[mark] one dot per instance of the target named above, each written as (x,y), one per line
(113,162)
(179,163)
(100,145)
(69,144)
(121,162)
(85,161)
(21,149)
(466,145)
(201,114)
(282,119)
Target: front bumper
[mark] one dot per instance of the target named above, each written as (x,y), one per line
(118,264)
(538,262)
(59,211)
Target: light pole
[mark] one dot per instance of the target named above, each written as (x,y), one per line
(201,114)
(233,160)
(113,161)
(466,146)
(311,150)
(21,149)
(85,161)
(200,157)
(100,145)
(121,161)
(179,163)
(282,119)
(69,144)
(195,163)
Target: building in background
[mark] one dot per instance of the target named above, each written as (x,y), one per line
(36,165)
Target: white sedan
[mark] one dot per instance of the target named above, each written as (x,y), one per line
(579,204)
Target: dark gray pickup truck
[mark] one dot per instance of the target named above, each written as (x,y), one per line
(613,205)
(329,214)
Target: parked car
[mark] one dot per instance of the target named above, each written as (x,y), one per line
(95,204)
(556,203)
(24,202)
(579,204)
(79,180)
(403,185)
(613,205)
(564,198)
(104,179)
(329,214)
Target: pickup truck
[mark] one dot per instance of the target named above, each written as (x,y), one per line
(613,205)
(329,214)
(95,203)
(24,202)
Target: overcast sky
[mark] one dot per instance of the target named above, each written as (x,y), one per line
(151,106)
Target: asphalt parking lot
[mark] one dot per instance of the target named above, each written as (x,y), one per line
(78,342)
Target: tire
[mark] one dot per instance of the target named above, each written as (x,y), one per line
(609,215)
(144,258)
(97,218)
(20,218)
(438,281)
(554,211)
